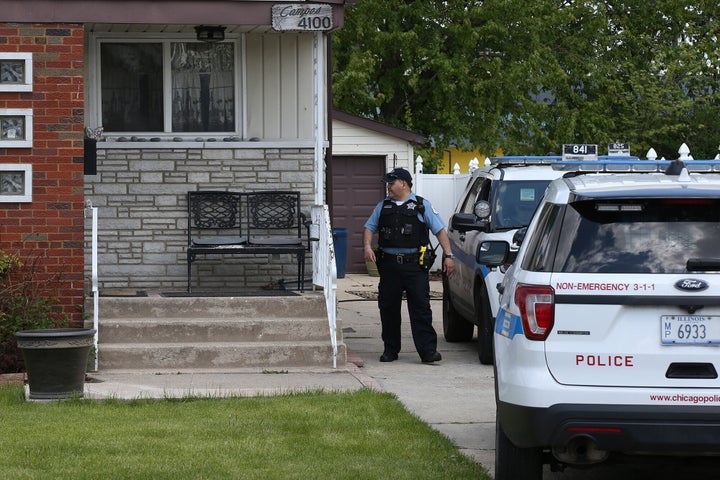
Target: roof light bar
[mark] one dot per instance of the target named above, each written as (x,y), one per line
(549,159)
(635,165)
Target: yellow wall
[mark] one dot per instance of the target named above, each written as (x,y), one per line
(453,155)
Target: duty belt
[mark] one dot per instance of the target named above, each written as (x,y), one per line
(402,258)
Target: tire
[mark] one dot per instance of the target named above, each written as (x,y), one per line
(455,327)
(486,326)
(514,463)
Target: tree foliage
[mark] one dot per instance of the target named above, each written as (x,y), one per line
(530,76)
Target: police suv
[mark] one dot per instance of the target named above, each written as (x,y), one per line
(607,338)
(497,200)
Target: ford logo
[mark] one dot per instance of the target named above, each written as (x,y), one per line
(691,284)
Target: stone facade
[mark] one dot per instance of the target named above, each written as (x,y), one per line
(141,196)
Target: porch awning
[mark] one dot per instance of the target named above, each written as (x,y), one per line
(189,12)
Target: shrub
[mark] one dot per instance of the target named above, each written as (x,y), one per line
(27,301)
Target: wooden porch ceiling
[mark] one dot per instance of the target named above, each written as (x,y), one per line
(239,16)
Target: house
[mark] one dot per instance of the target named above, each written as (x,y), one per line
(128,105)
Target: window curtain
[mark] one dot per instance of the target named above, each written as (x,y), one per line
(202,87)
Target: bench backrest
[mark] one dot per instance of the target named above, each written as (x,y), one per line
(274,210)
(218,211)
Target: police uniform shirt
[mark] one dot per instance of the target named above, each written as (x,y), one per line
(431,218)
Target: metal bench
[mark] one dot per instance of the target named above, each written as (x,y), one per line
(247,223)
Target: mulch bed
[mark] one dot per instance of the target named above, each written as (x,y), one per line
(12,378)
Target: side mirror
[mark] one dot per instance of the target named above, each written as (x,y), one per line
(464,222)
(493,253)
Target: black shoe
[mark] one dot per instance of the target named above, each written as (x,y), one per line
(431,357)
(388,357)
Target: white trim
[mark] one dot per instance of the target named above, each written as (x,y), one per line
(242,51)
(27,84)
(27,115)
(26,170)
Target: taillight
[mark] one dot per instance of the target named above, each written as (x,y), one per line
(537,310)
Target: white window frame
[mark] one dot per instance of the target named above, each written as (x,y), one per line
(27,115)
(27,84)
(24,169)
(94,90)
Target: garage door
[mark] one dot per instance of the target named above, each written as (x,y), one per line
(356,188)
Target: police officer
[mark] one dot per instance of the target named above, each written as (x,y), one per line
(402,222)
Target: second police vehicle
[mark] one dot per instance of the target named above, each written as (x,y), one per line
(498,200)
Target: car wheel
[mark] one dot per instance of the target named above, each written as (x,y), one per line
(486,326)
(514,463)
(455,327)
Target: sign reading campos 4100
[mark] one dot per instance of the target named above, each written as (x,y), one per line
(299,17)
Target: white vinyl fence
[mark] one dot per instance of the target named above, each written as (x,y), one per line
(443,190)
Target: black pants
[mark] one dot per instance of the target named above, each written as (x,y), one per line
(411,278)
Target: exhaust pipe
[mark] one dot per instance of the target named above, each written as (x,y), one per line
(580,450)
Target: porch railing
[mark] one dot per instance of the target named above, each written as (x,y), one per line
(324,268)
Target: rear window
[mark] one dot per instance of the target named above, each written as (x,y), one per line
(637,236)
(515,202)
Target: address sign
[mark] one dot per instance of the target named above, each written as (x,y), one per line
(302,18)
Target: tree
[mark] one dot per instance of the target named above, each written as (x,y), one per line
(530,76)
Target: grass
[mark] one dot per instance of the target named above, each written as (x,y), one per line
(355,435)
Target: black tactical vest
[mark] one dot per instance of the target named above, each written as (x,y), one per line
(399,225)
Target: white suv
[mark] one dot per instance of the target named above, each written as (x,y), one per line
(608,333)
(497,201)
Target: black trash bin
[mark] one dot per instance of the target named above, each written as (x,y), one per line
(340,241)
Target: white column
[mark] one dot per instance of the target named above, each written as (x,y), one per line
(319,94)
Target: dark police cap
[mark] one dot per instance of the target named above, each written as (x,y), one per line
(398,174)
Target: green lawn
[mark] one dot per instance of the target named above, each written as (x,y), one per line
(357,435)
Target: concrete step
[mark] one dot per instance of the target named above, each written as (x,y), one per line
(163,333)
(196,330)
(310,304)
(216,356)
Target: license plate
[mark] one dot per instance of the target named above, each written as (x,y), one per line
(690,329)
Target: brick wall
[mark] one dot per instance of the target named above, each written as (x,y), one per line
(51,226)
(141,196)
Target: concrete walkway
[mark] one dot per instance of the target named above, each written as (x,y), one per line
(455,396)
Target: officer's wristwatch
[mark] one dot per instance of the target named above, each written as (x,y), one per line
(448,256)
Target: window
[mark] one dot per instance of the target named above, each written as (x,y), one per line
(638,236)
(481,184)
(168,86)
(516,202)
(541,249)
(16,127)
(15,182)
(16,72)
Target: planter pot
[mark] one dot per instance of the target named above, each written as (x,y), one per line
(55,361)
(372,269)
